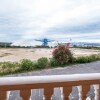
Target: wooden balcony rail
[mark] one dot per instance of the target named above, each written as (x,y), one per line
(48,83)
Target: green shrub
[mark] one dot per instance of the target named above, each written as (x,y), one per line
(27,64)
(53,63)
(42,63)
(91,58)
(62,55)
(9,67)
(9,64)
(87,59)
(81,60)
(35,65)
(95,57)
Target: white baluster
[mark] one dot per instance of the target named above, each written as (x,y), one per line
(80,92)
(88,98)
(96,88)
(61,89)
(8,94)
(31,95)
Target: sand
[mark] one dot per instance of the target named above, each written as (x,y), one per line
(16,54)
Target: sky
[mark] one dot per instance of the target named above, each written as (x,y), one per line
(75,20)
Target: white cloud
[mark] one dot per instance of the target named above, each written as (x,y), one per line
(82,14)
(34,18)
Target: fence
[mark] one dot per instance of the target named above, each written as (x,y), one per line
(48,83)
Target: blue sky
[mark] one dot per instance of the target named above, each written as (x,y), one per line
(32,19)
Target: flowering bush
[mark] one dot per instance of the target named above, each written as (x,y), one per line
(62,54)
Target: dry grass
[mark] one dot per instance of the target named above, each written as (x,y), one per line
(16,54)
(5,54)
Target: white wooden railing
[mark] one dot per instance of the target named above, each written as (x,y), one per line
(48,83)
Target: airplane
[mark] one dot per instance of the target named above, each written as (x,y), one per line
(44,41)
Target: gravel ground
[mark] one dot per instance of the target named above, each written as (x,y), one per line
(93,67)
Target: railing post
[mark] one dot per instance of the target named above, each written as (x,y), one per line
(66,92)
(25,94)
(48,93)
(85,90)
(3,95)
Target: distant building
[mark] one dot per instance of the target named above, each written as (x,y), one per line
(68,44)
(5,44)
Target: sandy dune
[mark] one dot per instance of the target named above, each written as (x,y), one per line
(13,54)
